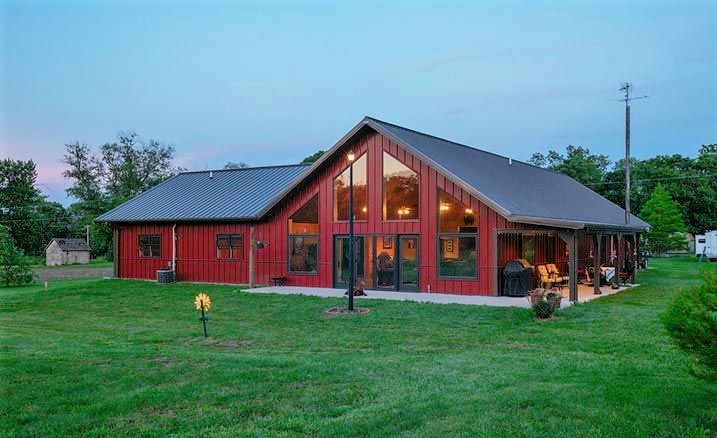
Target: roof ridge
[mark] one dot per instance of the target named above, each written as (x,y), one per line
(245,168)
(464,145)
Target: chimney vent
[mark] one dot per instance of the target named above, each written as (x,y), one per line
(211,174)
(510,161)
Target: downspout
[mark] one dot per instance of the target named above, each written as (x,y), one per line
(174,251)
(252,245)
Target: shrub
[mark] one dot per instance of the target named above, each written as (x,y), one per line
(14,266)
(691,321)
(543,309)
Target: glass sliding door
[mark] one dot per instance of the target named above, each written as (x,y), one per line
(408,268)
(362,259)
(385,262)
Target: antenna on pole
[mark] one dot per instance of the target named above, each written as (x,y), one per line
(625,87)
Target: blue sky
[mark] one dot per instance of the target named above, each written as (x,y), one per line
(271,82)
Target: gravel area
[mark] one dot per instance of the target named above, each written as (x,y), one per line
(66,272)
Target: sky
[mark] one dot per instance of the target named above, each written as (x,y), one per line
(270,82)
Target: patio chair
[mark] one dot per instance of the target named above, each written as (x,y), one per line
(625,272)
(555,273)
(546,280)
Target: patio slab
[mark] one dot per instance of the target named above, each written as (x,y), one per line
(585,293)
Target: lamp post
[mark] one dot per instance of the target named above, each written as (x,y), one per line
(351,157)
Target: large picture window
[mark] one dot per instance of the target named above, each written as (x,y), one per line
(149,245)
(341,192)
(457,238)
(230,246)
(304,238)
(400,190)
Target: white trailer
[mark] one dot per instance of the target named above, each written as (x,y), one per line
(706,245)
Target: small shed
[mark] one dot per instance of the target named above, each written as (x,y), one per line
(66,251)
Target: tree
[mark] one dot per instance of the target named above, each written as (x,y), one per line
(577,163)
(691,321)
(30,219)
(233,165)
(667,227)
(313,157)
(14,267)
(104,179)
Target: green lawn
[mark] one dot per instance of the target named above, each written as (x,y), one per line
(126,358)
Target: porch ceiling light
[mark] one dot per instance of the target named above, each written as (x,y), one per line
(445,207)
(469,211)
(351,156)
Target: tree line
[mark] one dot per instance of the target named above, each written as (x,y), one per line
(105,176)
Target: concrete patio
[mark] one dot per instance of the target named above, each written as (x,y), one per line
(585,293)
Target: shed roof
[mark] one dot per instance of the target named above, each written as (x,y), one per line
(70,244)
(231,194)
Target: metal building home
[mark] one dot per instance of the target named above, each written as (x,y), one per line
(430,215)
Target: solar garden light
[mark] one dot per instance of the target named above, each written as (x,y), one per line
(203,303)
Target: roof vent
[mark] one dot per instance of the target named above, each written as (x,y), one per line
(510,161)
(211,174)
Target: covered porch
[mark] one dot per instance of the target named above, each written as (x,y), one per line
(582,263)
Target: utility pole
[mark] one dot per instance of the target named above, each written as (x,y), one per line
(626,86)
(87,236)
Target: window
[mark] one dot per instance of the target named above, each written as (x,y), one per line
(304,238)
(341,192)
(149,245)
(304,254)
(400,190)
(230,246)
(528,248)
(457,240)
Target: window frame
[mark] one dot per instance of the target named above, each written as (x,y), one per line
(290,247)
(232,237)
(438,255)
(291,236)
(149,237)
(383,190)
(439,234)
(333,191)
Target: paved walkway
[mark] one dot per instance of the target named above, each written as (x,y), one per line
(585,294)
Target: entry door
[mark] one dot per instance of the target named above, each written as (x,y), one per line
(408,266)
(341,262)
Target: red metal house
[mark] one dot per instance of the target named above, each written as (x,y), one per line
(430,216)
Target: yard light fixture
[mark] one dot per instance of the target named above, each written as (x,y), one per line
(352,268)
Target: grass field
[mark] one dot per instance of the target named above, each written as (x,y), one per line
(100,262)
(125,358)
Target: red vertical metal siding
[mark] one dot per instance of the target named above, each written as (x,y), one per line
(196,259)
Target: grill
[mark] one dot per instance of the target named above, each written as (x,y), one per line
(517,278)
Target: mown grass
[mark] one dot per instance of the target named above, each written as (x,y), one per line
(100,262)
(126,358)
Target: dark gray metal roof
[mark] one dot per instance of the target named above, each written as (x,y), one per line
(236,194)
(70,244)
(518,190)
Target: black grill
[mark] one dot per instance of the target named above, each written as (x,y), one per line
(517,278)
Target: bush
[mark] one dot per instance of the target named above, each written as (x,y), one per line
(543,309)
(691,321)
(14,266)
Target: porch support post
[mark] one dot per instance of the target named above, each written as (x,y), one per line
(115,252)
(597,239)
(635,256)
(571,239)
(252,247)
(618,261)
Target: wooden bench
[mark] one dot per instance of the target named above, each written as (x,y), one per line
(279,281)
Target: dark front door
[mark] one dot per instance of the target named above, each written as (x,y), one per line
(408,266)
(385,262)
(341,261)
